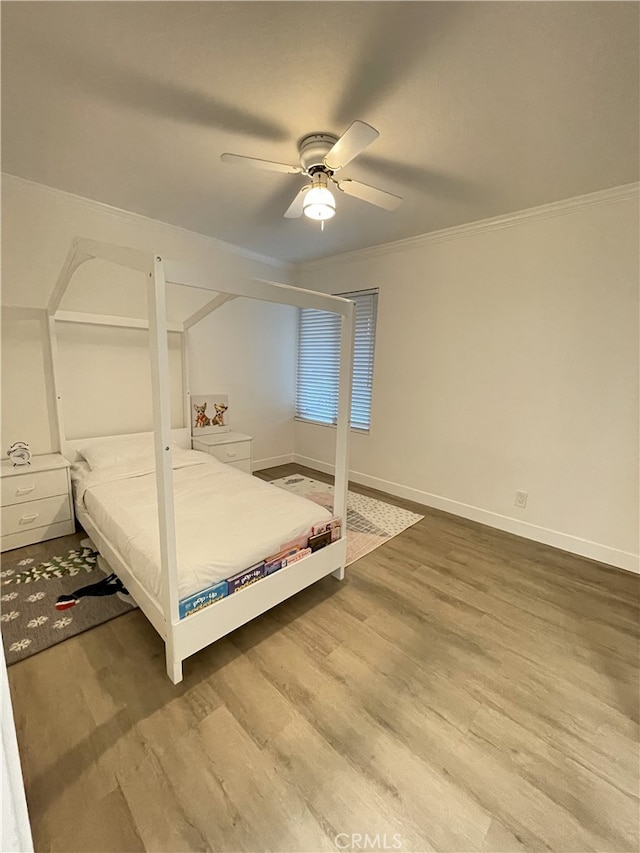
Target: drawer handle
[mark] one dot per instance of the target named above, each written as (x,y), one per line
(24,491)
(27,518)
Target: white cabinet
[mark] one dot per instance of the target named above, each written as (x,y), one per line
(36,501)
(233,448)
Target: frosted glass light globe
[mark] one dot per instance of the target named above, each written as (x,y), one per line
(319,204)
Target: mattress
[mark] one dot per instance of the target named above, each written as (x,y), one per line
(226,520)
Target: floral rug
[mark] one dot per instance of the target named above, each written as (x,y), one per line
(43,604)
(370,522)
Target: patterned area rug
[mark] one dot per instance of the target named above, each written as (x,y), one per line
(45,603)
(370,522)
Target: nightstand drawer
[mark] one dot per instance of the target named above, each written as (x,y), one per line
(42,513)
(232,452)
(33,485)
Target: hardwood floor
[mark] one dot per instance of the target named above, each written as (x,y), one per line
(463,688)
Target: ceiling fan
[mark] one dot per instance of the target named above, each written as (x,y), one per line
(321,156)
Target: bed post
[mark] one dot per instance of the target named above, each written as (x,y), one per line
(57,390)
(344,422)
(156,300)
(186,388)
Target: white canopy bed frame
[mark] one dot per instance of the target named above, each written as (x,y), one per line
(184,637)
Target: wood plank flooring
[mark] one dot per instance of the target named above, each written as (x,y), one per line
(461,690)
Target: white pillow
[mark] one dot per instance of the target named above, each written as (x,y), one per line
(128,451)
(108,452)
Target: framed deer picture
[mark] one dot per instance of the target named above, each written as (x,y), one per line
(209,414)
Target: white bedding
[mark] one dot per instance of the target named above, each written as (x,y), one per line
(225,520)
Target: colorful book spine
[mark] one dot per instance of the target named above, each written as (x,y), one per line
(332,524)
(195,602)
(246,577)
(299,555)
(320,540)
(278,561)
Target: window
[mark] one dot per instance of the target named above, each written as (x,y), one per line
(319,362)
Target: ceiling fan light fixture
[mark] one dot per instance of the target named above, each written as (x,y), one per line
(321,156)
(319,204)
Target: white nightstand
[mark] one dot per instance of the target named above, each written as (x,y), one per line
(234,448)
(36,501)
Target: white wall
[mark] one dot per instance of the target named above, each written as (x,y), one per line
(506,359)
(105,380)
(27,395)
(105,371)
(250,355)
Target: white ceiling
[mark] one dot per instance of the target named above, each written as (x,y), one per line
(483,108)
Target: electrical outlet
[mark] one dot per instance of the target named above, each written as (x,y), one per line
(521,499)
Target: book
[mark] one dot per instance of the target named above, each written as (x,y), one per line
(195,602)
(332,524)
(299,555)
(278,561)
(246,577)
(320,540)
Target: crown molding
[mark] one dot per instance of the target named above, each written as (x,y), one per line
(128,215)
(545,211)
(509,220)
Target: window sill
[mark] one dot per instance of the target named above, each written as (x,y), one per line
(331,426)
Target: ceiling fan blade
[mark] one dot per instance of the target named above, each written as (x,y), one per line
(353,141)
(295,208)
(369,194)
(269,165)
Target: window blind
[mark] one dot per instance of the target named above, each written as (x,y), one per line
(319,362)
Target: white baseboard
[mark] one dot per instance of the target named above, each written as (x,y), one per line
(317,465)
(271,462)
(563,541)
